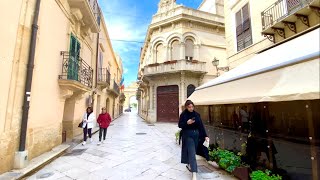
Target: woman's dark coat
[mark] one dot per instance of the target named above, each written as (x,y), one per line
(184,117)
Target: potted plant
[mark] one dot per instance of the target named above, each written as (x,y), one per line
(153,65)
(225,159)
(177,134)
(230,162)
(260,175)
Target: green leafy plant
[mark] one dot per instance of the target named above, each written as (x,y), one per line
(177,135)
(260,175)
(226,159)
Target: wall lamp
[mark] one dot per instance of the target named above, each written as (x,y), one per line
(215,63)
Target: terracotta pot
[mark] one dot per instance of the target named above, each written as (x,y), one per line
(242,173)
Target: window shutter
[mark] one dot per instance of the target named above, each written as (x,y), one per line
(246,17)
(240,42)
(238,23)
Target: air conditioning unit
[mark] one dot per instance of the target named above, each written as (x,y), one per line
(189,58)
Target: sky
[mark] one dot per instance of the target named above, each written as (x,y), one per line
(127,23)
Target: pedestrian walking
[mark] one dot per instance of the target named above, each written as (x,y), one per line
(104,121)
(88,123)
(191,125)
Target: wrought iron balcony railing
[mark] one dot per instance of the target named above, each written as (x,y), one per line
(75,68)
(104,75)
(280,10)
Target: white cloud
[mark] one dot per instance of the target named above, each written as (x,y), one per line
(125,70)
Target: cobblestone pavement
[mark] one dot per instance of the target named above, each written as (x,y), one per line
(133,150)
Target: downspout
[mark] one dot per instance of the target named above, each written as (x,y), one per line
(28,83)
(97,56)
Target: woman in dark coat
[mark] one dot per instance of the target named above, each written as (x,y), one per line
(191,125)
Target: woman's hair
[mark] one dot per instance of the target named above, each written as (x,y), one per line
(188,102)
(89,108)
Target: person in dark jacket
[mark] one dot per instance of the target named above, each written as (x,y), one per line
(104,121)
(191,125)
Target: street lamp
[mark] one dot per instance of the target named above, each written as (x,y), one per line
(215,63)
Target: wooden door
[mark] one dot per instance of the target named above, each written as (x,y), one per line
(168,103)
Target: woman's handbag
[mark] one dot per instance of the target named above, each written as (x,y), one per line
(80,124)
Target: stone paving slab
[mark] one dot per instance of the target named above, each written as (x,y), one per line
(128,155)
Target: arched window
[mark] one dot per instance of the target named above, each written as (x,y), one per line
(175,50)
(190,90)
(189,48)
(160,53)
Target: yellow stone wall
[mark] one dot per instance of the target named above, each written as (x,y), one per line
(50,113)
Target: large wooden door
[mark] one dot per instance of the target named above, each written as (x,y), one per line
(168,103)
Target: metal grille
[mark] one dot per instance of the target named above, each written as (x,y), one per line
(281,9)
(75,68)
(104,75)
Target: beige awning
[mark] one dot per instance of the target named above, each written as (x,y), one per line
(286,78)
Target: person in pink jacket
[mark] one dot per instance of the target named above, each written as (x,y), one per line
(104,121)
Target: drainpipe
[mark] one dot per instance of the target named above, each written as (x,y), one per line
(28,83)
(97,56)
(21,157)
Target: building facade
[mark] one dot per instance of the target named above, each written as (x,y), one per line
(266,106)
(177,58)
(69,73)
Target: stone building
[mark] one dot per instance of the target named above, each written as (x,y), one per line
(181,44)
(62,37)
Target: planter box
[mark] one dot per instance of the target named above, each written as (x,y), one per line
(242,173)
(153,65)
(194,61)
(170,62)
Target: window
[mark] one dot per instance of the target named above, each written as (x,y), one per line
(159,53)
(74,64)
(243,28)
(175,50)
(190,90)
(189,49)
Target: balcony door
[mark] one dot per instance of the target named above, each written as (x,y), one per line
(74,54)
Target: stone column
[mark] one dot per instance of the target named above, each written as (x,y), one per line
(166,53)
(169,49)
(151,112)
(182,90)
(182,50)
(151,97)
(197,52)
(154,55)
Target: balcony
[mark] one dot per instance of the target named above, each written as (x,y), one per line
(86,11)
(104,78)
(114,89)
(122,97)
(174,67)
(285,14)
(76,74)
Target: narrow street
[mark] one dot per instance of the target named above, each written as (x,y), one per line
(133,150)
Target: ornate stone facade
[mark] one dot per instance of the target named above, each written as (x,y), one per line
(182,43)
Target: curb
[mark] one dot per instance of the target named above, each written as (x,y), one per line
(35,163)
